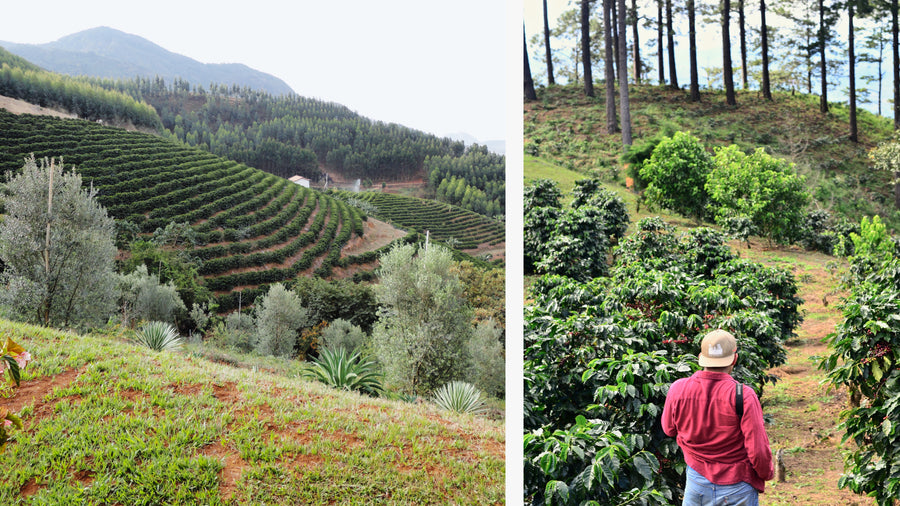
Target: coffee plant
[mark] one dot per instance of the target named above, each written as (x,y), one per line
(571,242)
(600,355)
(864,358)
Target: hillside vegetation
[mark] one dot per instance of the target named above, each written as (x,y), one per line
(110,422)
(569,129)
(251,228)
(462,229)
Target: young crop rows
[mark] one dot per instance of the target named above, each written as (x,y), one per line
(252,228)
(445,222)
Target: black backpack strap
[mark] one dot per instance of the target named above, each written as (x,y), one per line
(739,400)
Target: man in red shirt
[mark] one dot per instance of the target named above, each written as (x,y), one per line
(727,453)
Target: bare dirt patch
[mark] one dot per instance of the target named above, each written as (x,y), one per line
(34,390)
(232,469)
(376,234)
(17,106)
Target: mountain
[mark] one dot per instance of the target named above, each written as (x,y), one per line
(497,146)
(109,53)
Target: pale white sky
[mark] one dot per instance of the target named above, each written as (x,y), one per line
(434,66)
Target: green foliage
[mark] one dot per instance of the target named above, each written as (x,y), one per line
(571,242)
(821,232)
(158,336)
(676,175)
(341,333)
(331,300)
(600,355)
(475,181)
(761,188)
(864,357)
(487,370)
(143,297)
(279,316)
(424,322)
(19,79)
(170,268)
(443,221)
(347,370)
(57,248)
(237,331)
(460,397)
(541,193)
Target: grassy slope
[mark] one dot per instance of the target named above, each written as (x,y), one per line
(803,413)
(109,422)
(569,129)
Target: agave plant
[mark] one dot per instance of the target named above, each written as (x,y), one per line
(349,371)
(159,336)
(461,397)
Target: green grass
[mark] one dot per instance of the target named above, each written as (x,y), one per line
(119,424)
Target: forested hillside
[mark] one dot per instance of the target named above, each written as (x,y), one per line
(293,135)
(285,135)
(563,126)
(22,80)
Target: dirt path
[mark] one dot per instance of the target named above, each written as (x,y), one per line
(804,413)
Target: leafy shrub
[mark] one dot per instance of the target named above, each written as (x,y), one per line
(460,397)
(487,369)
(865,356)
(143,297)
(341,334)
(572,242)
(237,330)
(759,187)
(158,336)
(541,193)
(348,371)
(676,175)
(279,316)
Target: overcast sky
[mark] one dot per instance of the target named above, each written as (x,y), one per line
(436,66)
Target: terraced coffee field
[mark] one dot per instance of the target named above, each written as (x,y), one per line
(445,222)
(253,228)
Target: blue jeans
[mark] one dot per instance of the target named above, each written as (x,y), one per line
(698,491)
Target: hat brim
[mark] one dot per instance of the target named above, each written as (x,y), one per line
(715,362)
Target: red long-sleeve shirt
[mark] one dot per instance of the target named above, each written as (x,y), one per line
(700,413)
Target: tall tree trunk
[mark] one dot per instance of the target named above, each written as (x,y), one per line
(670,37)
(726,54)
(635,42)
(623,79)
(743,34)
(586,47)
(547,47)
(611,123)
(880,71)
(692,37)
(764,35)
(823,100)
(615,35)
(854,135)
(529,83)
(659,43)
(895,43)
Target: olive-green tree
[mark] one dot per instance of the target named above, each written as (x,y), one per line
(57,244)
(279,317)
(424,321)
